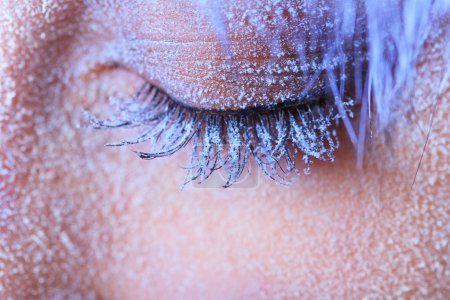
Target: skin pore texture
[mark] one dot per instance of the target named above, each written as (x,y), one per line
(78,220)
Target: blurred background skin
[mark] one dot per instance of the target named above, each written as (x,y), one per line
(81,220)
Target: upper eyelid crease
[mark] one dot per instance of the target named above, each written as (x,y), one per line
(310,94)
(273,136)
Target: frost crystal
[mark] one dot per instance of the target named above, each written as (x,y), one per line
(273,138)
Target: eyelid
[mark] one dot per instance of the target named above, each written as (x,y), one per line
(314,92)
(312,97)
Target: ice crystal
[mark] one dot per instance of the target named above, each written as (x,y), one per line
(274,138)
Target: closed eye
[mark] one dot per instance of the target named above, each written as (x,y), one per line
(281,125)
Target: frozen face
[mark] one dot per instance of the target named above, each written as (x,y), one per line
(78,219)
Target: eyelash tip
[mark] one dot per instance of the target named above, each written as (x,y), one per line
(274,138)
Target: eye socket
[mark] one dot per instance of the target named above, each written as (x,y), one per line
(103,83)
(273,137)
(281,136)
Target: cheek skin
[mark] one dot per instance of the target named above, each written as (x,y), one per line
(81,219)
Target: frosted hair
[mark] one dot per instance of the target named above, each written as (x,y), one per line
(394,30)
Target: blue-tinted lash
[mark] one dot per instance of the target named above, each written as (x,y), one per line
(274,138)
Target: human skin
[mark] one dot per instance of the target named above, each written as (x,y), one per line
(79,219)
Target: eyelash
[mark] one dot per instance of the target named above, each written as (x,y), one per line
(274,137)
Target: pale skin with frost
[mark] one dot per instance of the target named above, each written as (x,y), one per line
(77,218)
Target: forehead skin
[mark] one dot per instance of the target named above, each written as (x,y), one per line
(79,219)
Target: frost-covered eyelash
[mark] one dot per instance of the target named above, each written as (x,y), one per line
(228,140)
